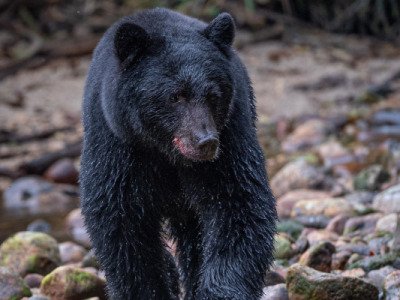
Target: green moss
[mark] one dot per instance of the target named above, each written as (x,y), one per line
(81,278)
(303,287)
(309,158)
(26,292)
(369,98)
(283,247)
(380,233)
(48,279)
(32,263)
(11,244)
(290,227)
(374,262)
(298,284)
(371,178)
(4,259)
(42,241)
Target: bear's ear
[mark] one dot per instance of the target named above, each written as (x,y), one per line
(221,30)
(130,41)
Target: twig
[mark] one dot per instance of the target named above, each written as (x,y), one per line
(9,137)
(51,51)
(39,165)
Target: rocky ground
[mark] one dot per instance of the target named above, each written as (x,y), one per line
(330,126)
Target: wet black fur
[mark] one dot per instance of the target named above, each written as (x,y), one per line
(221,212)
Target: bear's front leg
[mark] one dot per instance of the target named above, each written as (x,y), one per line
(238,249)
(238,218)
(119,204)
(130,251)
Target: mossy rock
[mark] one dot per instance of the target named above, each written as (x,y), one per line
(304,283)
(72,283)
(370,263)
(30,252)
(290,227)
(371,178)
(283,247)
(12,286)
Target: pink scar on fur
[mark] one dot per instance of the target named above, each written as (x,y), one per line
(180,145)
(183,148)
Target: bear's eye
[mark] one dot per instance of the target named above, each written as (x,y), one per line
(178,98)
(212,98)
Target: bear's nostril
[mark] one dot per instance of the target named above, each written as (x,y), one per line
(208,146)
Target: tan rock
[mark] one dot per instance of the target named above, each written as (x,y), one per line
(286,202)
(357,273)
(297,174)
(329,207)
(308,134)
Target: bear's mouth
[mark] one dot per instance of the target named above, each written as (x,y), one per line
(190,151)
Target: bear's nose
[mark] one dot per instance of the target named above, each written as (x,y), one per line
(208,146)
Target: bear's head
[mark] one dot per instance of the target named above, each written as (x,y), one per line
(174,89)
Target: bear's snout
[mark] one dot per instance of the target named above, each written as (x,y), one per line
(206,148)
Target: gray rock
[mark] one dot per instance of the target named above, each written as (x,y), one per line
(377,277)
(362,225)
(12,286)
(33,196)
(388,201)
(38,297)
(33,280)
(377,244)
(71,252)
(39,226)
(318,222)
(361,197)
(275,292)
(76,228)
(387,223)
(392,286)
(337,223)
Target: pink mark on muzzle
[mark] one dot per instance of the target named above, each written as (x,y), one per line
(181,146)
(184,148)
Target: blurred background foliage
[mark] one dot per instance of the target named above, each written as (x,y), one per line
(375,17)
(32,28)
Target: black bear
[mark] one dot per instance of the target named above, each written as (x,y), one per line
(170,138)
